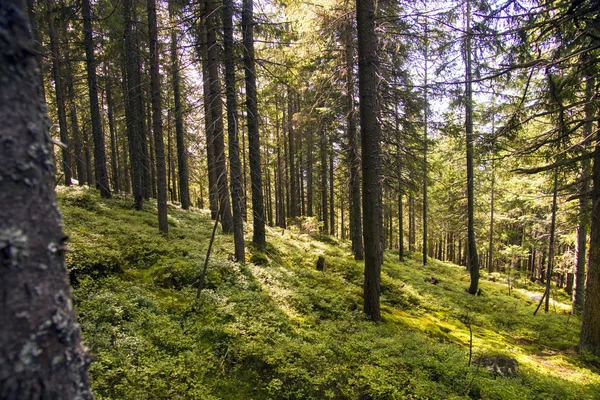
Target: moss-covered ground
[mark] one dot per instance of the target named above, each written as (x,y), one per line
(276,328)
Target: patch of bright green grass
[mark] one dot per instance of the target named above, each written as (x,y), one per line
(278,329)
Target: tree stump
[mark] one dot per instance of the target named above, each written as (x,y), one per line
(321,264)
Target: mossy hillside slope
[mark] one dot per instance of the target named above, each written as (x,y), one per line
(279,329)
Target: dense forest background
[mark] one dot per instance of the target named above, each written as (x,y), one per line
(463,132)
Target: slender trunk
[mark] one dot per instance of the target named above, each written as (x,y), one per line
(76,135)
(235,167)
(551,242)
(353,156)
(368,63)
(584,203)
(208,123)
(159,148)
(331,187)
(131,109)
(150,138)
(309,173)
(35,32)
(425,143)
(324,207)
(216,111)
(473,261)
(114,153)
(182,157)
(60,102)
(101,174)
(590,318)
(258,213)
(42,355)
(491,233)
(292,156)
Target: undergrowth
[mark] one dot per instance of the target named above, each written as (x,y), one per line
(276,328)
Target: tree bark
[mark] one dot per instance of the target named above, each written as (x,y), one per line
(590,319)
(258,212)
(425,143)
(159,147)
(368,63)
(292,155)
(114,148)
(41,351)
(235,167)
(101,174)
(473,260)
(60,102)
(324,207)
(182,157)
(353,152)
(132,114)
(584,203)
(216,118)
(331,193)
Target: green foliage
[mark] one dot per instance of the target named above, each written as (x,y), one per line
(280,329)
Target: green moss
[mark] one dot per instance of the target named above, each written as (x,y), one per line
(276,328)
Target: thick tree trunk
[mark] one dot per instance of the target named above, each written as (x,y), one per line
(60,102)
(182,157)
(159,147)
(258,212)
(101,174)
(371,160)
(235,167)
(41,352)
(473,261)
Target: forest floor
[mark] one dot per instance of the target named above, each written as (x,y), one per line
(276,328)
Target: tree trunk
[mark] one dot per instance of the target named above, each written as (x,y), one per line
(76,135)
(584,202)
(324,207)
(182,157)
(368,63)
(208,124)
(235,167)
(258,212)
(353,156)
(216,117)
(159,147)
(41,352)
(101,174)
(425,143)
(491,233)
(473,260)
(132,114)
(331,187)
(114,148)
(551,242)
(60,102)
(590,319)
(309,173)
